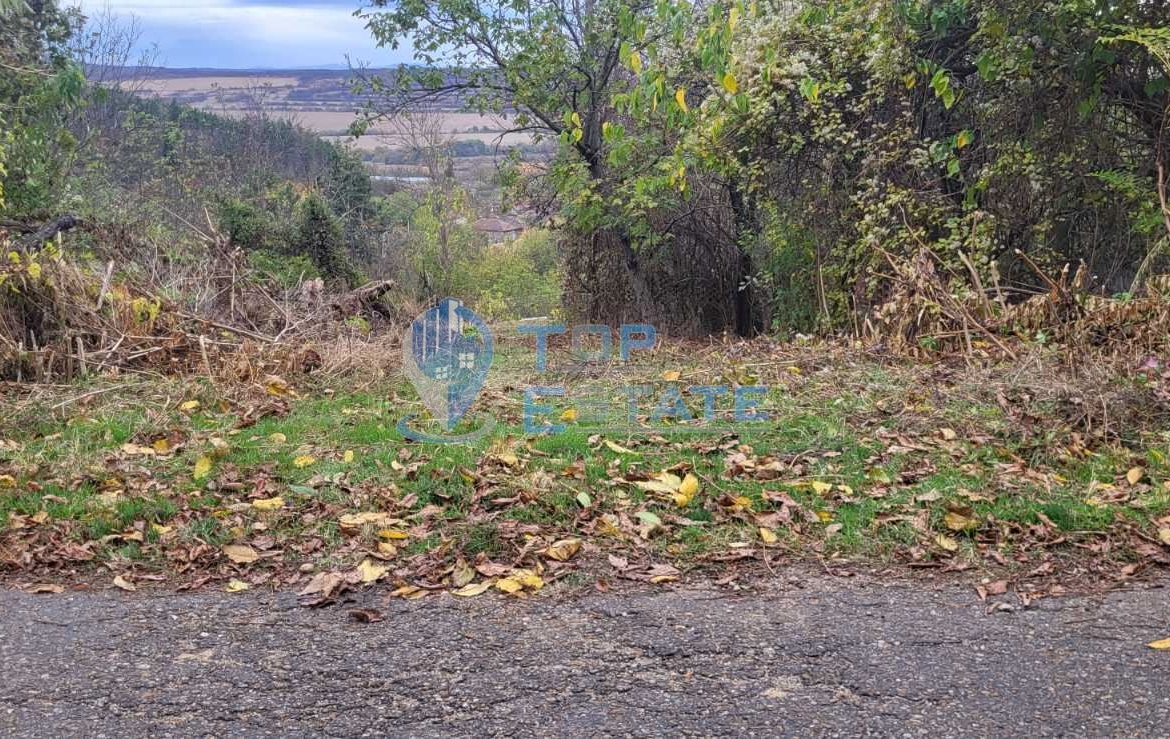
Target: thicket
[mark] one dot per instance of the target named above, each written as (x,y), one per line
(782,164)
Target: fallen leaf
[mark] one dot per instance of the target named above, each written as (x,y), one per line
(569,414)
(41,588)
(277,438)
(135,449)
(687,490)
(236,586)
(371,571)
(1160,644)
(241,554)
(947,543)
(584,499)
(189,405)
(947,434)
(563,550)
(124,584)
(671,375)
(617,448)
(1164,536)
(202,467)
(348,456)
(473,589)
(161,446)
(304,461)
(960,520)
(462,573)
(365,615)
(768,536)
(1134,476)
(820,488)
(268,504)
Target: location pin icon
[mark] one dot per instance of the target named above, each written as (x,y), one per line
(446,353)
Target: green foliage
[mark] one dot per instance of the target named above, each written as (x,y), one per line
(517,279)
(284,270)
(39,87)
(319,237)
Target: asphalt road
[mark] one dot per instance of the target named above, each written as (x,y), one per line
(811,657)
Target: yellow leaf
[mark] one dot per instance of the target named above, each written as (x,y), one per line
(303,461)
(160,529)
(947,434)
(687,489)
(277,386)
(1164,536)
(189,405)
(277,438)
(680,97)
(730,84)
(821,487)
(733,18)
(386,549)
(1160,644)
(241,554)
(963,139)
(202,467)
(1134,475)
(124,584)
(371,571)
(617,448)
(768,536)
(268,504)
(825,516)
(563,550)
(956,521)
(946,542)
(671,375)
(162,446)
(236,586)
(636,62)
(133,449)
(348,456)
(34,270)
(509,459)
(569,414)
(509,585)
(793,370)
(473,589)
(393,534)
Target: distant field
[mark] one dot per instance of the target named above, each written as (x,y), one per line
(320,101)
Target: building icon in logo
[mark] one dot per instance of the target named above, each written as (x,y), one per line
(446,354)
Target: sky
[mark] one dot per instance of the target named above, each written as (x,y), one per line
(245,34)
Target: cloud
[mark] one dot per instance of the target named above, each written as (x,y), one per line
(250,33)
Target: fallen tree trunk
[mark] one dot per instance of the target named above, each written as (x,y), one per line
(364,300)
(47,231)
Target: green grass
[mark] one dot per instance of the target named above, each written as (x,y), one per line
(841,441)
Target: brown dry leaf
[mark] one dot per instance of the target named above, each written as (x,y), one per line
(671,375)
(124,584)
(351,523)
(947,434)
(1134,476)
(365,615)
(323,584)
(1164,536)
(135,450)
(241,554)
(562,550)
(45,587)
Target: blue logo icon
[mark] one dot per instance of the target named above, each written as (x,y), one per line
(446,353)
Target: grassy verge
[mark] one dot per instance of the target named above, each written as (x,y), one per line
(862,460)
